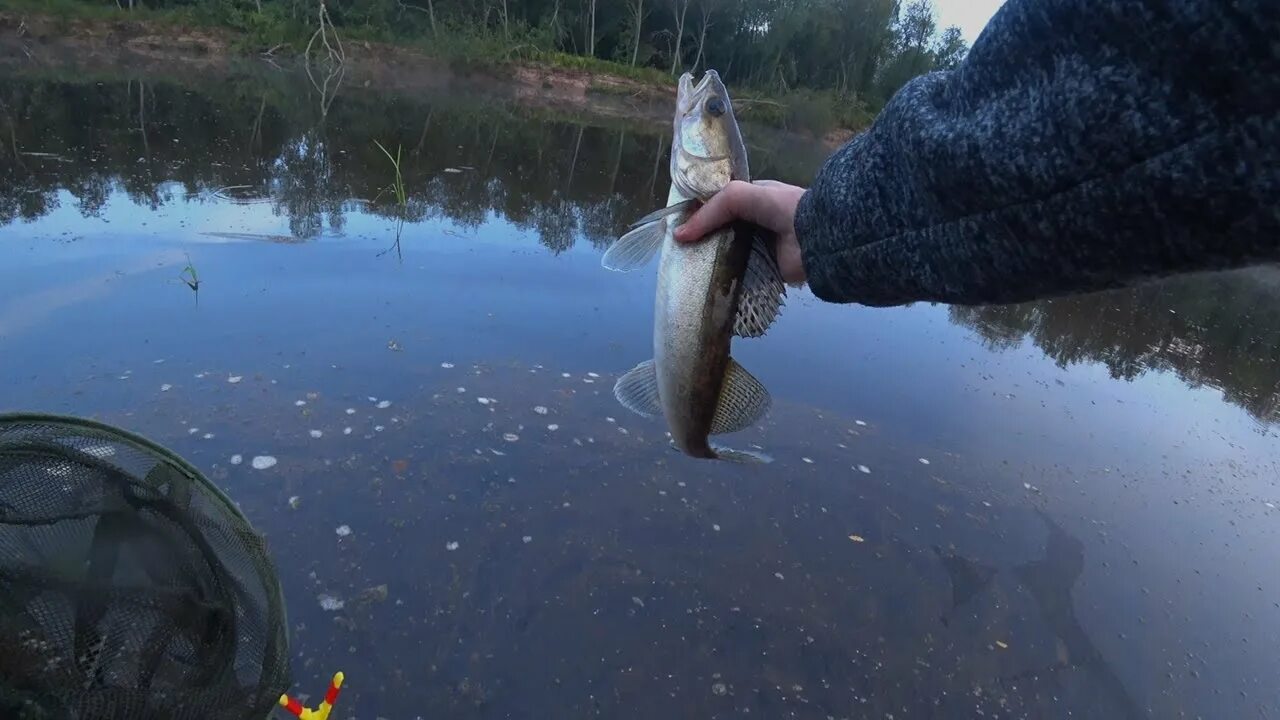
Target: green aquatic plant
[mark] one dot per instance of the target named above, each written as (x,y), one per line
(190,276)
(397,186)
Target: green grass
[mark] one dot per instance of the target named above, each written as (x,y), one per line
(190,276)
(397,186)
(813,111)
(566,61)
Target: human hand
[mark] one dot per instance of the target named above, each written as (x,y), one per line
(767,203)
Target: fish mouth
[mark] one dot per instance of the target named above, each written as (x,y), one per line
(689,95)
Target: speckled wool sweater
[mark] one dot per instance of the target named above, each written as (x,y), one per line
(1083,144)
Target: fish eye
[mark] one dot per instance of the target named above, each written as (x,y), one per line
(715,106)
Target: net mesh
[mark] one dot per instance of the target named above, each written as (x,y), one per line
(130,586)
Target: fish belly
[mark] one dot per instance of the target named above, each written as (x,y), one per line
(690,339)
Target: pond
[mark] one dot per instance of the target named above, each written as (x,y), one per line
(1064,508)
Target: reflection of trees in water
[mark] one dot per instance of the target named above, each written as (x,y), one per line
(131,137)
(464,163)
(1220,330)
(305,188)
(467,158)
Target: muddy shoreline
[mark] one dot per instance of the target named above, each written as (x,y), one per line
(33,42)
(45,43)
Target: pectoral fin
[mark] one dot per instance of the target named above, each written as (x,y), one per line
(636,248)
(743,401)
(762,292)
(680,208)
(638,390)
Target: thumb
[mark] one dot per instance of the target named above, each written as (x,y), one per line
(723,208)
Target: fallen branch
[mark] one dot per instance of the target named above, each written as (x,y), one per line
(747,102)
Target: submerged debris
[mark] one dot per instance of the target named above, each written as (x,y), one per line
(553,427)
(343,530)
(263,462)
(317,434)
(510,437)
(527,539)
(166,387)
(540,409)
(383,405)
(294,501)
(451,546)
(233,379)
(375,594)
(237,459)
(857,538)
(864,469)
(924,461)
(329,602)
(346,431)
(446,365)
(351,411)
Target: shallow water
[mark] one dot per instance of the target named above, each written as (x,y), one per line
(1059,509)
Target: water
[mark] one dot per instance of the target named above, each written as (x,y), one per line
(1063,509)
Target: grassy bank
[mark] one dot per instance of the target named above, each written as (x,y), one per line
(243,29)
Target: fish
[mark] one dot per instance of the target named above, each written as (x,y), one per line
(707,292)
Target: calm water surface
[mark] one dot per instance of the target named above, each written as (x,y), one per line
(1062,509)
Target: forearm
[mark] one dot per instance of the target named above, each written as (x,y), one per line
(1084,144)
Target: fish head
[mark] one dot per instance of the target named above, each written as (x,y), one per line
(708,149)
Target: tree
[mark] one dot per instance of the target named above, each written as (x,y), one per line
(950,49)
(915,27)
(591,27)
(707,7)
(679,9)
(637,16)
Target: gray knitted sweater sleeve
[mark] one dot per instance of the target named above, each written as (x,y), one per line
(1083,144)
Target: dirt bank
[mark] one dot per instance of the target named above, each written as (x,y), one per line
(42,41)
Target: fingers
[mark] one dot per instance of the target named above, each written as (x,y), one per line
(737,200)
